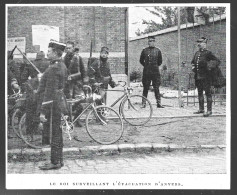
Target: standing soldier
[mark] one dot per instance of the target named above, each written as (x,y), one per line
(202,75)
(151,59)
(52,85)
(76,71)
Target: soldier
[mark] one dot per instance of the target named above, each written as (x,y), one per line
(32,98)
(202,75)
(76,77)
(40,62)
(99,71)
(52,85)
(32,114)
(151,59)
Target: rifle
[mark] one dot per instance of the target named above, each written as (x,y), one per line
(28,60)
(12,52)
(89,61)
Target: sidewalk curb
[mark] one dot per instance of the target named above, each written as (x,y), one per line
(115,149)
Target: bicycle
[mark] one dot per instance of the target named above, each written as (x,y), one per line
(133,106)
(103,124)
(16,111)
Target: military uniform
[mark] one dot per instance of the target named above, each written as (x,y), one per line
(74,65)
(51,85)
(99,70)
(202,77)
(74,87)
(151,59)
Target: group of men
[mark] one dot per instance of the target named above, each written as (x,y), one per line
(64,78)
(59,77)
(151,59)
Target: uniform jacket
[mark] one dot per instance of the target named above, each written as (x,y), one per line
(99,69)
(75,64)
(32,100)
(199,61)
(51,83)
(151,59)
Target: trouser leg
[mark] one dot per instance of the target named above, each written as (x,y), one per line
(156,85)
(46,130)
(146,81)
(57,139)
(200,87)
(207,89)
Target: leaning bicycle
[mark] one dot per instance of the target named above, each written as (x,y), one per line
(103,124)
(135,109)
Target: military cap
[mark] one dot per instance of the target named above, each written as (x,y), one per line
(57,45)
(40,55)
(106,49)
(151,38)
(202,40)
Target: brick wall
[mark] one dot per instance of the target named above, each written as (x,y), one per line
(168,44)
(105,26)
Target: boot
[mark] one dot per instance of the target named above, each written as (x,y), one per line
(50,166)
(208,113)
(159,104)
(201,105)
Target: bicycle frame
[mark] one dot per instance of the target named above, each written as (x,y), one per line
(125,95)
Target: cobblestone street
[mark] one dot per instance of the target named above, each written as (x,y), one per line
(177,162)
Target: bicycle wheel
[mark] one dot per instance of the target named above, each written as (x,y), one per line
(133,111)
(104,125)
(36,141)
(15,120)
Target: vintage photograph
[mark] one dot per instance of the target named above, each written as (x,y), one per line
(128,96)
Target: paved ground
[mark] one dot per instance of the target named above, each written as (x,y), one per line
(208,162)
(181,131)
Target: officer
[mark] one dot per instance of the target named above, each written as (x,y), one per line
(77,75)
(52,85)
(151,59)
(202,75)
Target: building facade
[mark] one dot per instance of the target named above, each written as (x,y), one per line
(103,26)
(167,41)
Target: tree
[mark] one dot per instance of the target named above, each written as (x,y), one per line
(169,18)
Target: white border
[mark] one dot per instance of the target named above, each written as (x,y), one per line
(188,181)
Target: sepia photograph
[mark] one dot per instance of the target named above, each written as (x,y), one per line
(117,96)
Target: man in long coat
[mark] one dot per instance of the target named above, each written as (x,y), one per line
(52,85)
(202,75)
